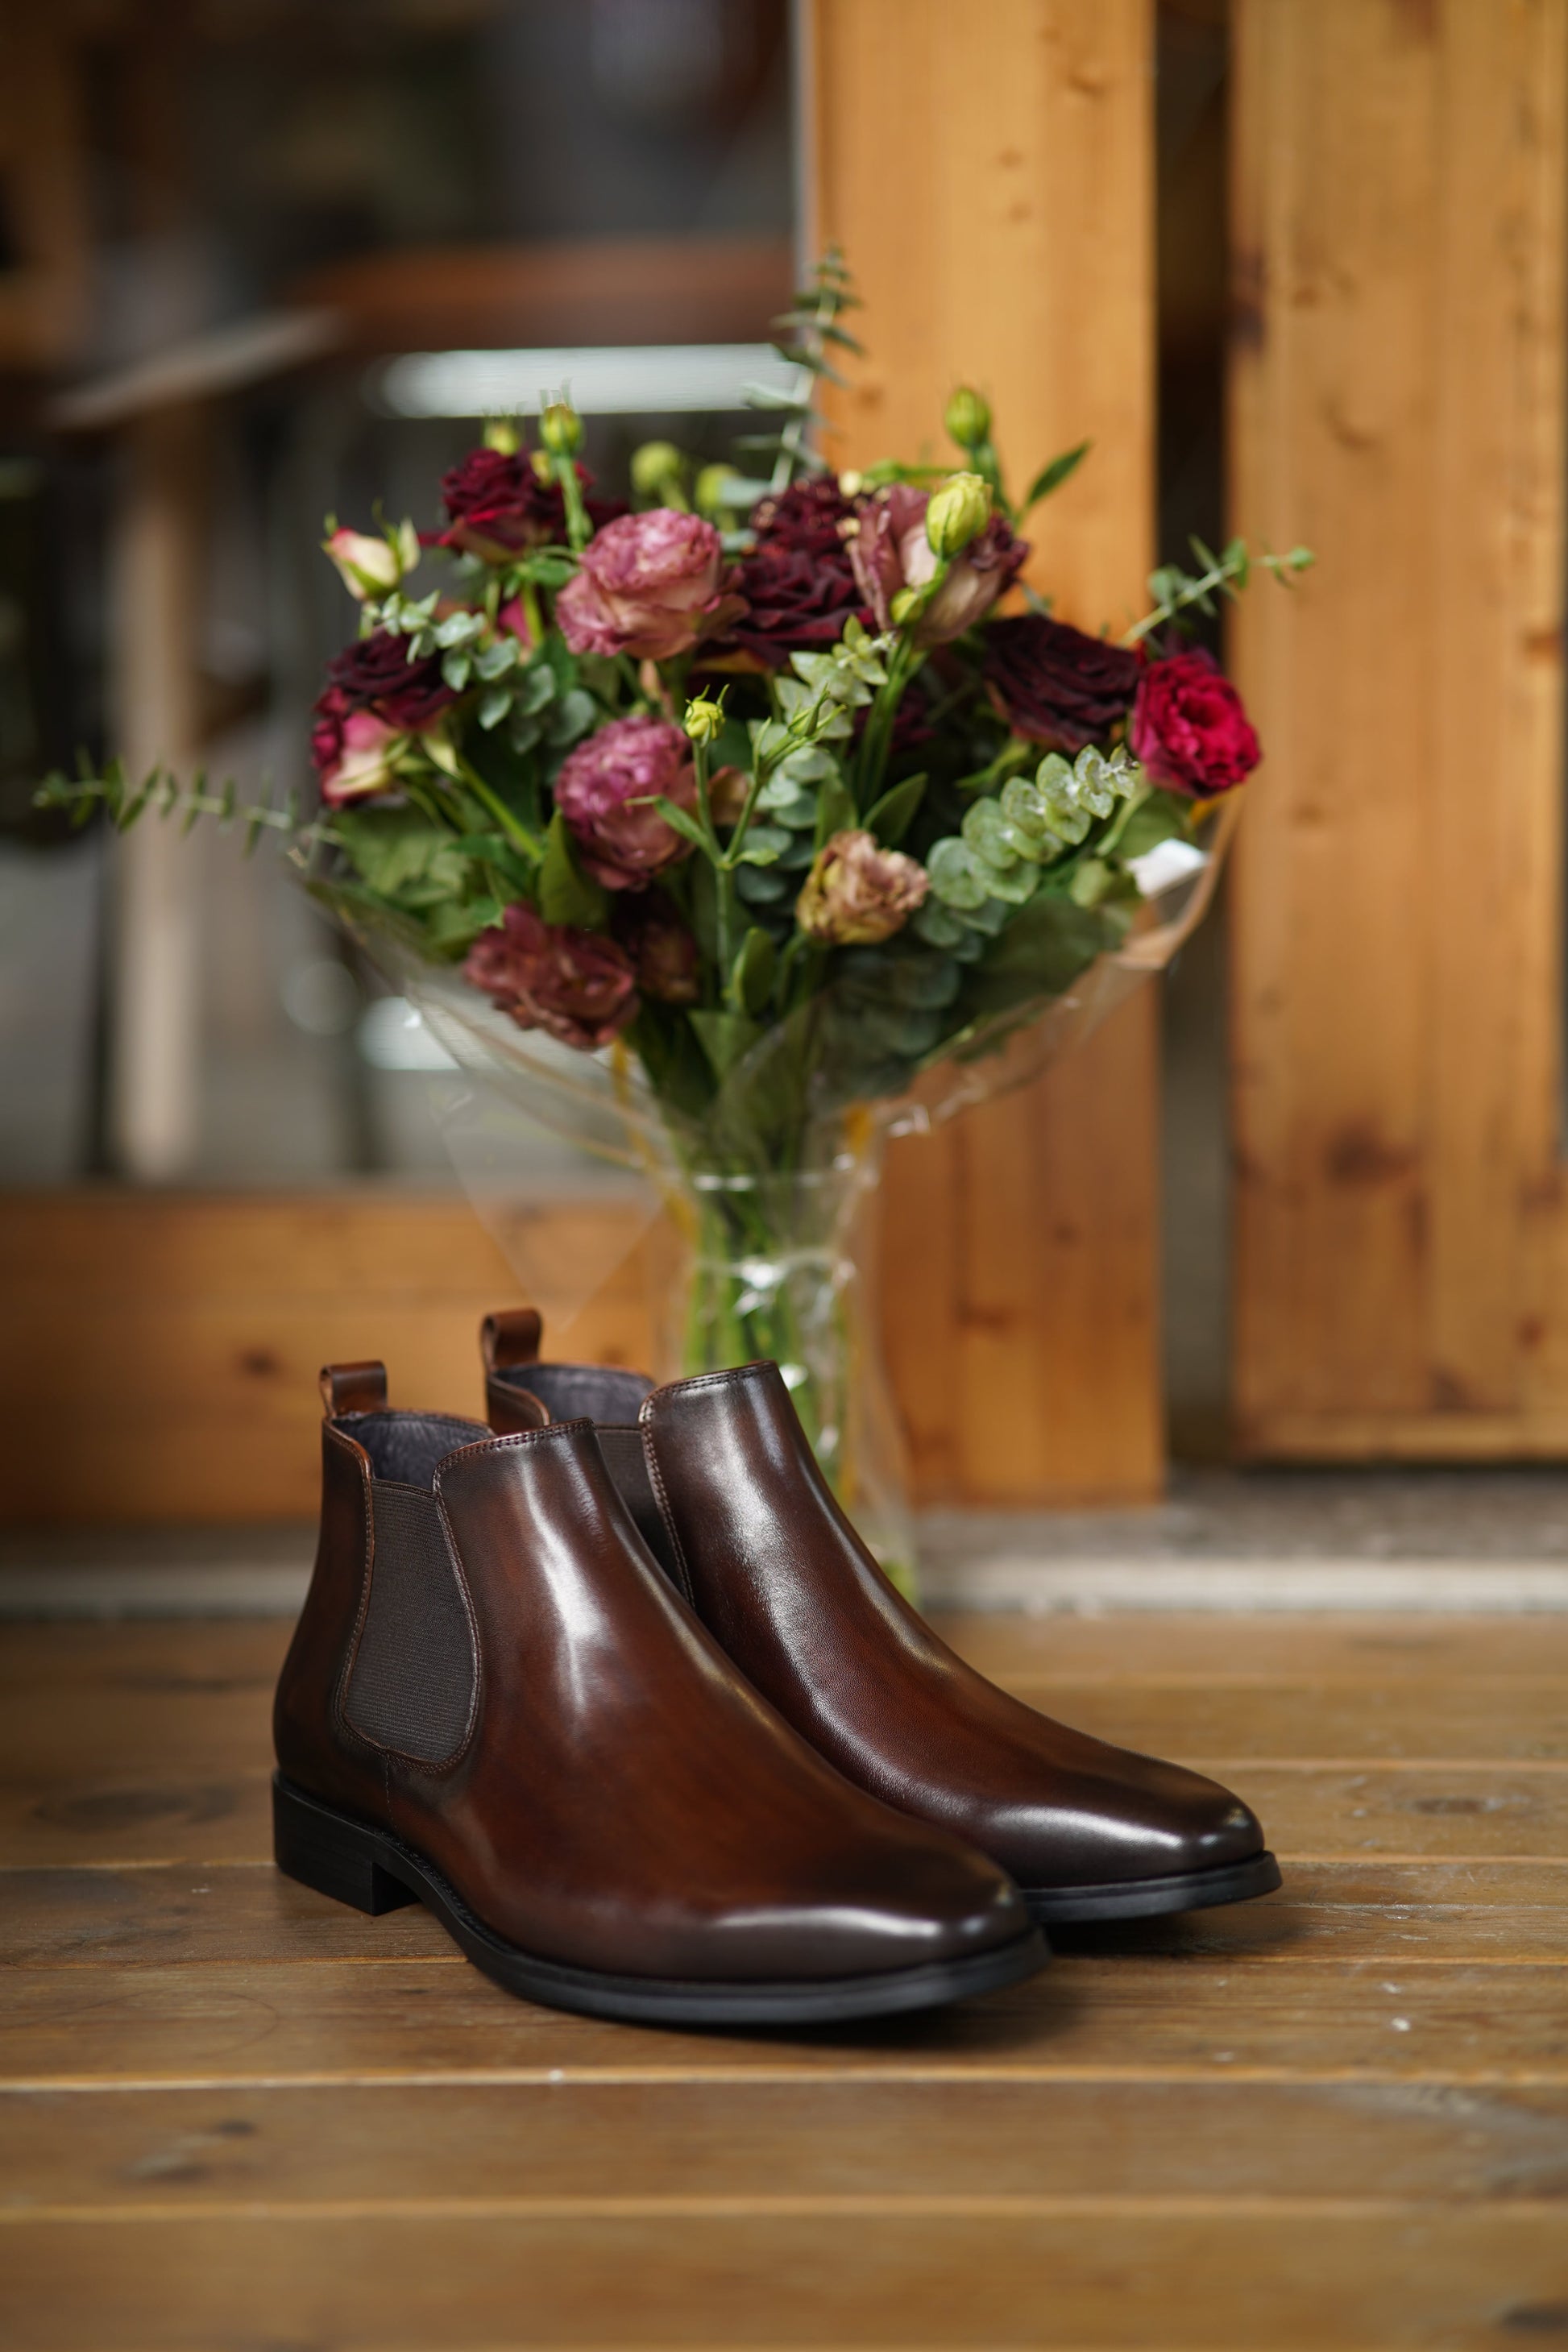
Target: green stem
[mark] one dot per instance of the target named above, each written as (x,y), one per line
(579,529)
(516,832)
(877,742)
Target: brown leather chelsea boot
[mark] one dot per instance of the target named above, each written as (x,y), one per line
(495,1705)
(721,1477)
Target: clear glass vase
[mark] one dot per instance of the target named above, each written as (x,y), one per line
(778,1265)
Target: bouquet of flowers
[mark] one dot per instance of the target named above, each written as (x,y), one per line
(735,825)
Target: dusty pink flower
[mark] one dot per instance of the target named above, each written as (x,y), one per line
(352,751)
(650,585)
(577,986)
(890,552)
(598,791)
(856,893)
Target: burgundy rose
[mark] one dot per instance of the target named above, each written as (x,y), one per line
(891,553)
(375,674)
(798,581)
(1054,684)
(374,696)
(597,791)
(577,986)
(650,585)
(1189,727)
(497,505)
(663,951)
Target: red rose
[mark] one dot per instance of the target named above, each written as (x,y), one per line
(497,504)
(604,789)
(1189,727)
(577,986)
(1057,685)
(798,581)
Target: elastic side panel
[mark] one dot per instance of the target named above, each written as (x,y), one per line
(571,1391)
(627,1465)
(412,1683)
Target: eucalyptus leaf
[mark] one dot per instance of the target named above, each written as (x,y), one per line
(764,845)
(494,704)
(572,717)
(955,874)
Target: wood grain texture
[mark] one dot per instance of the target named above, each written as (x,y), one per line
(996,207)
(1397,389)
(1229,2275)
(210,1314)
(233,2113)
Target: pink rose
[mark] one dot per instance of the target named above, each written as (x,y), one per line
(577,986)
(350,751)
(1189,727)
(623,845)
(650,585)
(856,894)
(890,552)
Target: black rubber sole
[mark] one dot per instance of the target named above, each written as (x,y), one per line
(1147,1899)
(373,1871)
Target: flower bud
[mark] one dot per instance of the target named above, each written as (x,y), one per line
(968,418)
(959,511)
(704,719)
(370,567)
(501,434)
(717,487)
(561,429)
(657,468)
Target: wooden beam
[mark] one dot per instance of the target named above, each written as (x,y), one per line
(994,198)
(1397,403)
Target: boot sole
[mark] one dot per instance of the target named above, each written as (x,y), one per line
(372,1870)
(1147,1899)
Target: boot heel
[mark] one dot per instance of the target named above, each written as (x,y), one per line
(333,1855)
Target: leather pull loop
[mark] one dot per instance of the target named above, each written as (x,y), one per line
(513,1411)
(353,1388)
(510,1337)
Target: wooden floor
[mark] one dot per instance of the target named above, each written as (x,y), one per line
(235,2115)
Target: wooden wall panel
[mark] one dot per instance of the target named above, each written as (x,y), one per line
(989,174)
(162,1350)
(1397,403)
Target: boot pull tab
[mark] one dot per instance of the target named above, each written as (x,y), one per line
(353,1388)
(510,1338)
(511,1411)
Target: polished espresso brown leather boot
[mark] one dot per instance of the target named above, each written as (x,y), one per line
(721,1476)
(495,1704)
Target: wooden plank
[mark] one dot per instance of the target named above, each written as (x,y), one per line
(212,1315)
(225,1656)
(318,2021)
(146,2149)
(222,1723)
(1063,2274)
(1396,401)
(995,206)
(1427,1912)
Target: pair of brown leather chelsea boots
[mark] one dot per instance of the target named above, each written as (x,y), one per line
(614,1687)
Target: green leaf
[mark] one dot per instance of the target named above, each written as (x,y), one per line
(572,717)
(494,704)
(834,810)
(725,1037)
(751,983)
(1051,478)
(890,817)
(494,660)
(682,822)
(536,688)
(764,845)
(956,876)
(566,894)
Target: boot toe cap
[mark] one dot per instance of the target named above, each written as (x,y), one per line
(1166,1822)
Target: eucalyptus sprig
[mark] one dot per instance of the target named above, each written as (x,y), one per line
(161,794)
(1175,591)
(813,328)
